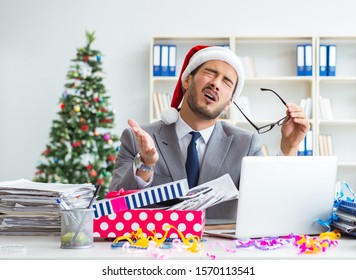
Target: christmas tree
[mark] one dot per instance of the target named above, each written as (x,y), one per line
(81,148)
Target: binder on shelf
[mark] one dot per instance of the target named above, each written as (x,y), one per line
(308,63)
(156,106)
(164,60)
(301,148)
(248,64)
(172,60)
(323,54)
(300,60)
(306,104)
(331,60)
(309,143)
(156,60)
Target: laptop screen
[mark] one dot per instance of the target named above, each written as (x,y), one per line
(283,195)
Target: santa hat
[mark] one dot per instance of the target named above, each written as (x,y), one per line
(196,57)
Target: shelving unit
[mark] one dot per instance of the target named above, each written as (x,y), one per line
(341,89)
(275,63)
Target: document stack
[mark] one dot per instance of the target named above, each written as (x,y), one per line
(32,208)
(345,220)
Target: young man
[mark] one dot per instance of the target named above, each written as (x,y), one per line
(211,78)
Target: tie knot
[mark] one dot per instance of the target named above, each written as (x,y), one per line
(195,135)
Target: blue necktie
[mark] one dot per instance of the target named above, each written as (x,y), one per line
(192,163)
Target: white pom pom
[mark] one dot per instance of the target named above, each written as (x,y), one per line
(169,115)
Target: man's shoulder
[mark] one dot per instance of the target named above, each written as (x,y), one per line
(155,127)
(231,129)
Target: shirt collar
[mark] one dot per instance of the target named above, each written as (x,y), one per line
(182,129)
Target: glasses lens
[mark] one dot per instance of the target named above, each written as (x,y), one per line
(283,120)
(265,128)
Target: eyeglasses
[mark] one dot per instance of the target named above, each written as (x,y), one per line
(267,127)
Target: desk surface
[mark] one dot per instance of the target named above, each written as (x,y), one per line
(49,248)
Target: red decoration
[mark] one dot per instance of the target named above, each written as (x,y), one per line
(96,99)
(102,109)
(85,127)
(86,58)
(77,144)
(93,173)
(39,172)
(62,106)
(46,152)
(100,181)
(88,167)
(111,158)
(106,120)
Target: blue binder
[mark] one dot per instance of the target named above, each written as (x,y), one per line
(164,60)
(309,143)
(323,55)
(300,60)
(301,148)
(331,60)
(172,60)
(156,60)
(308,62)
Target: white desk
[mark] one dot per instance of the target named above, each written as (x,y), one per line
(49,248)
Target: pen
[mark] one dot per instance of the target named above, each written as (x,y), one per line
(97,188)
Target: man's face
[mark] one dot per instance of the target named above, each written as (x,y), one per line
(210,90)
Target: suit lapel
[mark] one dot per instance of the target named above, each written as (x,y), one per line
(167,143)
(216,151)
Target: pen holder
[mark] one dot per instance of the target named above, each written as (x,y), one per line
(77,228)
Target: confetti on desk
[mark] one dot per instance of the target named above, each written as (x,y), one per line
(154,244)
(305,243)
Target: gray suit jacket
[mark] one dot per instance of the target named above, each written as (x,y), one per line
(227,146)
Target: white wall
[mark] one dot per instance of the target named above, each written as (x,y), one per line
(39,37)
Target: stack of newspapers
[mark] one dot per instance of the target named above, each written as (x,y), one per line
(32,208)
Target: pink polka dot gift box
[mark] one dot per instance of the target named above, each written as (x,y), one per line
(151,222)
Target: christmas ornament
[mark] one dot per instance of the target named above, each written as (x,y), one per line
(76,108)
(106,137)
(93,173)
(85,128)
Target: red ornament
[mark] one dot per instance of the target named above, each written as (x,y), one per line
(39,172)
(88,167)
(100,181)
(62,106)
(111,158)
(46,152)
(86,58)
(77,144)
(96,99)
(85,127)
(93,173)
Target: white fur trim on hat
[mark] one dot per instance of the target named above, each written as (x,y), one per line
(170,115)
(217,53)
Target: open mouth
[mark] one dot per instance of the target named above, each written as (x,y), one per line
(210,95)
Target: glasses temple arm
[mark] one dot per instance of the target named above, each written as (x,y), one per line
(280,98)
(246,116)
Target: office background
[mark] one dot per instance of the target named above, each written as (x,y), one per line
(38,38)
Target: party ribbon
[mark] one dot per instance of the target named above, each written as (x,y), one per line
(139,240)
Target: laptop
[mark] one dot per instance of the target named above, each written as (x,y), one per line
(279,196)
